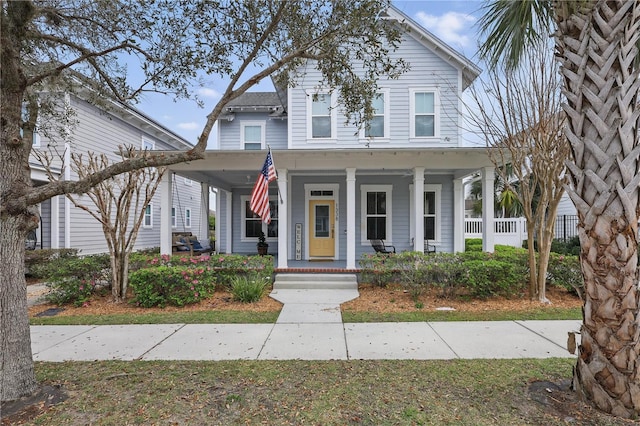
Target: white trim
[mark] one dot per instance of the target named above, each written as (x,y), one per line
(364,189)
(437,188)
(332,114)
(385,92)
(308,187)
(150,216)
(253,123)
(412,113)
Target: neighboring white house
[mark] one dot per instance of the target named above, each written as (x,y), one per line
(337,188)
(102,130)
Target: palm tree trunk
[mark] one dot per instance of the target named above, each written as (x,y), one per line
(597,47)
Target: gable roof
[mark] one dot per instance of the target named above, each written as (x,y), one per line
(470,71)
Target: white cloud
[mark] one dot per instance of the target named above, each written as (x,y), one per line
(191,125)
(208,93)
(450,27)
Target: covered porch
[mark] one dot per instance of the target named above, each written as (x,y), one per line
(341,177)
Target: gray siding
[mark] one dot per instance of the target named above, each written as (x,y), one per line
(275,131)
(427,71)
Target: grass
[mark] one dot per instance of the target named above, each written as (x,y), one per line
(186,317)
(459,392)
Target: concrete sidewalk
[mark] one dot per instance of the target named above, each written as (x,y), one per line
(309,328)
(306,341)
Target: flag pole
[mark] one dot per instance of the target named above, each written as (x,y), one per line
(277,186)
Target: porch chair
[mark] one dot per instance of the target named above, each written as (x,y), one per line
(380,247)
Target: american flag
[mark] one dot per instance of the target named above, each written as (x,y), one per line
(260,195)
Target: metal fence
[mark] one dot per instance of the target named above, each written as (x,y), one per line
(566,227)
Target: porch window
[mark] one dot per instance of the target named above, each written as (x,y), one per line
(376,212)
(432,213)
(148,216)
(253,135)
(430,217)
(173,217)
(253,225)
(424,113)
(187,218)
(321,116)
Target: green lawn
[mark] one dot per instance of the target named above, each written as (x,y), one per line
(460,392)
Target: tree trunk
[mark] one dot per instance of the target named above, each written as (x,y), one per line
(597,47)
(533,281)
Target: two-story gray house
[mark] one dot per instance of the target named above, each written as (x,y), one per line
(101,130)
(400,180)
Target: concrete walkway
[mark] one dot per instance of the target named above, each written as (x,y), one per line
(310,327)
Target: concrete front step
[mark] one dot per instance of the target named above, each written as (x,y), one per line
(315,281)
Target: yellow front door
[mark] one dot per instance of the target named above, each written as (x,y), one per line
(322,218)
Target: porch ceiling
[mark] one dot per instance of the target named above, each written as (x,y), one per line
(232,169)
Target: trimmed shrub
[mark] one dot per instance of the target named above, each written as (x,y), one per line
(565,271)
(37,262)
(473,244)
(374,270)
(171,285)
(489,278)
(75,279)
(248,288)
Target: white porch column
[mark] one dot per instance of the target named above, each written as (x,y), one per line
(283,219)
(458,216)
(488,232)
(203,232)
(166,204)
(228,222)
(418,197)
(351,218)
(55,222)
(218,215)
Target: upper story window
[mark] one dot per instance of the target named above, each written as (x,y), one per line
(376,212)
(253,135)
(322,117)
(147,144)
(424,113)
(188,182)
(378,126)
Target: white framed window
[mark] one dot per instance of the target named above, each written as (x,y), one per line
(187,217)
(378,127)
(321,116)
(432,213)
(252,225)
(253,135)
(188,182)
(148,145)
(424,113)
(173,217)
(375,210)
(147,221)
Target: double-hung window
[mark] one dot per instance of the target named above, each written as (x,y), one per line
(187,217)
(252,224)
(378,126)
(321,116)
(431,214)
(376,212)
(173,217)
(147,221)
(253,135)
(424,113)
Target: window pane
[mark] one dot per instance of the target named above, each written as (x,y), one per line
(321,127)
(429,203)
(322,221)
(253,228)
(424,103)
(376,203)
(253,134)
(425,125)
(378,104)
(376,128)
(376,228)
(429,228)
(252,146)
(321,105)
(247,211)
(272,229)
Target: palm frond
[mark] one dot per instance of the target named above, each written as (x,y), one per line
(509,27)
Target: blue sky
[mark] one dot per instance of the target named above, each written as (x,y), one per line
(452,21)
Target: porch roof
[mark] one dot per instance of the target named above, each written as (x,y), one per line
(239,168)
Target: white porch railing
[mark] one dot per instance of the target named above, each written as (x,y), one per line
(508,232)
